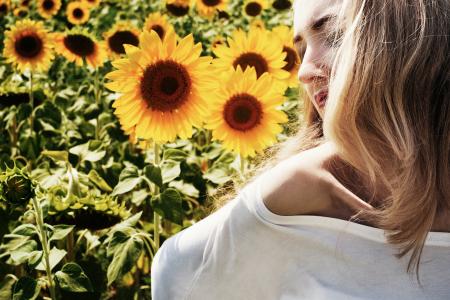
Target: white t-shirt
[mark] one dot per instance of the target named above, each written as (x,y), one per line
(244,251)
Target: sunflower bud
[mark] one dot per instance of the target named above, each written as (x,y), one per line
(16,187)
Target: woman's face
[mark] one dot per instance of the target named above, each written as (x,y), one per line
(314,32)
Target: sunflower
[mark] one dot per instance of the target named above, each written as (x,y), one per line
(25,3)
(5,6)
(77,12)
(292,59)
(281,4)
(218,40)
(48,8)
(253,8)
(78,45)
(178,8)
(21,12)
(91,3)
(28,45)
(164,87)
(158,23)
(258,49)
(244,114)
(207,8)
(123,32)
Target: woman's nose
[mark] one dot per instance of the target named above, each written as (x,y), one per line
(312,67)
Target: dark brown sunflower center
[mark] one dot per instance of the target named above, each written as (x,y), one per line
(217,43)
(48,4)
(28,46)
(211,2)
(25,3)
(177,10)
(166,86)
(159,30)
(281,4)
(242,112)
(79,44)
(3,8)
(119,38)
(253,9)
(290,59)
(253,60)
(78,13)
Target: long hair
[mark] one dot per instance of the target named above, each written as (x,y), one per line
(389,112)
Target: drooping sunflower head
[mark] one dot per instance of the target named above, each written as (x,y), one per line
(164,87)
(28,45)
(122,33)
(91,3)
(257,49)
(78,45)
(48,8)
(253,8)
(208,8)
(77,12)
(244,115)
(178,8)
(158,23)
(5,6)
(292,59)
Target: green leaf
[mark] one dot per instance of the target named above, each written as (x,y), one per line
(124,258)
(99,181)
(174,154)
(170,170)
(21,254)
(26,288)
(35,258)
(56,255)
(153,173)
(217,175)
(60,232)
(116,241)
(25,230)
(83,152)
(73,279)
(57,155)
(6,286)
(128,179)
(169,205)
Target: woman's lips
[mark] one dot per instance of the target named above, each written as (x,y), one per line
(321,98)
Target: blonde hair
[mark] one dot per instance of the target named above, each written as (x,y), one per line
(389,112)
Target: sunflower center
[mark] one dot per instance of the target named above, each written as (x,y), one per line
(281,4)
(28,46)
(166,86)
(253,60)
(48,4)
(3,8)
(243,112)
(253,9)
(78,13)
(211,2)
(290,59)
(119,38)
(159,30)
(79,44)
(177,10)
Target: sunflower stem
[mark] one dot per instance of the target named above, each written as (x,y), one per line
(31,96)
(156,217)
(45,250)
(242,166)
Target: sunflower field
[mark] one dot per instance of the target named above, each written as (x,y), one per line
(120,122)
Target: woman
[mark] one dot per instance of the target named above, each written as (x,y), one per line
(382,67)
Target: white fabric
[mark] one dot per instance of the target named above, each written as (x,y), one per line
(244,251)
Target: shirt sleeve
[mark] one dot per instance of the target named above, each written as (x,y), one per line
(179,258)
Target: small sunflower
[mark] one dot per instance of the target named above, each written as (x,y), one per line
(77,12)
(164,87)
(253,8)
(28,45)
(208,8)
(91,3)
(292,59)
(48,8)
(258,49)
(244,114)
(5,6)
(158,23)
(178,8)
(21,12)
(25,3)
(122,33)
(78,45)
(281,4)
